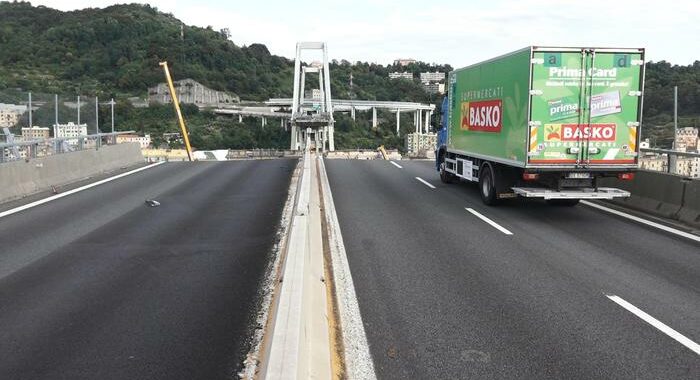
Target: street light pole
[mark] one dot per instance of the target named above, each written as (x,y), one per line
(30,110)
(111,102)
(97,115)
(675,115)
(55,126)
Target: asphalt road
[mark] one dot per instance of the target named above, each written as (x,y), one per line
(445,295)
(97,285)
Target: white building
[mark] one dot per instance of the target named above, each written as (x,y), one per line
(653,163)
(35,133)
(70,130)
(434,88)
(432,77)
(687,139)
(421,145)
(8,118)
(688,166)
(143,141)
(433,82)
(398,75)
(404,61)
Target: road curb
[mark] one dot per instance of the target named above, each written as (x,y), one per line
(299,344)
(270,288)
(357,358)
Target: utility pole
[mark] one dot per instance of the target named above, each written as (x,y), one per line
(78,109)
(55,126)
(675,115)
(672,158)
(97,115)
(111,102)
(30,110)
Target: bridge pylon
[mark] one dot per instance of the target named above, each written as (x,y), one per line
(312,117)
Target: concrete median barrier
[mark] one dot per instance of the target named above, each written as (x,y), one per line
(690,212)
(22,178)
(661,194)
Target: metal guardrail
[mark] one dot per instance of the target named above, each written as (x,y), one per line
(671,152)
(49,147)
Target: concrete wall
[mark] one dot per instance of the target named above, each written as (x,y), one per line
(661,194)
(21,178)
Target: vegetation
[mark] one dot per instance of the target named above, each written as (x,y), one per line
(660,79)
(114,53)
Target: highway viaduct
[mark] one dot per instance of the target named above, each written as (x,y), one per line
(423,280)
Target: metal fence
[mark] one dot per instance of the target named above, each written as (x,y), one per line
(24,150)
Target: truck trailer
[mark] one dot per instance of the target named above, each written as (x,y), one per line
(544,122)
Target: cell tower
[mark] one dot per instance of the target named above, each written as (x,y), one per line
(312,119)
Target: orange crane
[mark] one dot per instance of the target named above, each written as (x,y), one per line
(176,104)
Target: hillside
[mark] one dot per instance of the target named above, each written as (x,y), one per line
(117,50)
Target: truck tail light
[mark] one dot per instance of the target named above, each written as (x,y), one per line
(530,176)
(626,176)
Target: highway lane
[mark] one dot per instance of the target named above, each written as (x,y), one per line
(443,294)
(97,285)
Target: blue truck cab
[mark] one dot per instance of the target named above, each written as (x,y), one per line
(441,146)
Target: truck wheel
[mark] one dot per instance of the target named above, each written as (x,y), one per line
(562,202)
(445,176)
(487,185)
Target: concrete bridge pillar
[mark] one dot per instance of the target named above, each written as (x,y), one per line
(240,118)
(417,120)
(398,122)
(331,139)
(294,138)
(374,117)
(352,113)
(428,115)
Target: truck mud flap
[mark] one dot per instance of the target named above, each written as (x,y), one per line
(600,193)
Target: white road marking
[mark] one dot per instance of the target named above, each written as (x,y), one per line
(680,338)
(397,165)
(426,183)
(644,221)
(73,191)
(489,221)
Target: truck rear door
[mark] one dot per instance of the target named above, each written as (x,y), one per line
(585,107)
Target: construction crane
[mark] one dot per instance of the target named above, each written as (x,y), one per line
(176,104)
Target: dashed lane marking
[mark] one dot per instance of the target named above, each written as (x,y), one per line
(489,221)
(680,338)
(426,183)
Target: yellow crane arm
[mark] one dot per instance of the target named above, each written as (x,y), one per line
(176,104)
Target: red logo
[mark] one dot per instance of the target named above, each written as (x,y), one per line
(485,116)
(593,132)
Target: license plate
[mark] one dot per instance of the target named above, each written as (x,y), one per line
(578,175)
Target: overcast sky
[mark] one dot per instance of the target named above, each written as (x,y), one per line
(445,31)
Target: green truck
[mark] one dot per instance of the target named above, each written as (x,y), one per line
(544,122)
